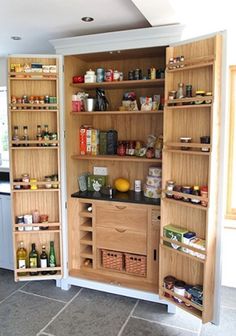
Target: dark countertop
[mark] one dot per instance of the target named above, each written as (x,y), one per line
(5,188)
(128,197)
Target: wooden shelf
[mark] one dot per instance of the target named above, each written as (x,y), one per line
(29,106)
(29,142)
(190,106)
(194,63)
(185,204)
(37,190)
(194,309)
(37,231)
(103,113)
(87,226)
(200,198)
(115,158)
(33,110)
(185,101)
(34,147)
(172,250)
(86,214)
(187,152)
(191,144)
(121,84)
(56,224)
(87,239)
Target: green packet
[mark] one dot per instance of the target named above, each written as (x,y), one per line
(96,182)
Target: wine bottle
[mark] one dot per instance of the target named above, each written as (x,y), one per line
(52,258)
(33,259)
(44,260)
(45,135)
(21,256)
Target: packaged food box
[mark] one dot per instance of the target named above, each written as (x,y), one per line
(199,244)
(96,182)
(174,233)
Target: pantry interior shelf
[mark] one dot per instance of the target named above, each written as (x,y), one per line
(200,101)
(26,106)
(121,84)
(34,147)
(36,183)
(181,252)
(197,62)
(193,308)
(33,110)
(187,152)
(115,158)
(38,277)
(39,224)
(180,194)
(25,77)
(102,113)
(86,214)
(189,144)
(37,190)
(182,203)
(181,107)
(36,231)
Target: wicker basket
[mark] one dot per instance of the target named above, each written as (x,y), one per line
(135,264)
(112,260)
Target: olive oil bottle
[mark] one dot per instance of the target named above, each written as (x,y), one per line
(33,259)
(44,260)
(21,256)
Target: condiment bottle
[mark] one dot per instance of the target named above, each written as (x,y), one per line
(204,194)
(169,187)
(180,91)
(196,191)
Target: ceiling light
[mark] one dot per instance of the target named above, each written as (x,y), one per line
(16,38)
(87,19)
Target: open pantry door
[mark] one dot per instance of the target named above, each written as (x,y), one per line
(189,208)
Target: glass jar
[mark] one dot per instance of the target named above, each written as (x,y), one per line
(44,220)
(199,93)
(26,179)
(54,179)
(169,187)
(169,282)
(48,179)
(172,95)
(179,288)
(121,148)
(33,184)
(208,94)
(180,91)
(188,89)
(205,140)
(185,140)
(178,188)
(186,190)
(196,191)
(204,194)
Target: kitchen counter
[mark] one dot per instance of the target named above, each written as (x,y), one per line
(128,197)
(5,188)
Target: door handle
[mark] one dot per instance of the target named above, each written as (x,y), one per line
(120,230)
(120,207)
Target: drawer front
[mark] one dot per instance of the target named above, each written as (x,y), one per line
(123,216)
(121,240)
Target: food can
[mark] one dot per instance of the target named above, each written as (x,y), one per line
(100,72)
(109,75)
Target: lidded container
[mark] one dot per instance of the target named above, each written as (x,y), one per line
(90,76)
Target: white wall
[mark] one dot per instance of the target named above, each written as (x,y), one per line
(3,71)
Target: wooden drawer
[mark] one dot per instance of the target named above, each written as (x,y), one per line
(121,240)
(118,215)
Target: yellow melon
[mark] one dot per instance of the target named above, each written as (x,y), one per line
(121,184)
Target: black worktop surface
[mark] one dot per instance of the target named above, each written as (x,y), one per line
(128,197)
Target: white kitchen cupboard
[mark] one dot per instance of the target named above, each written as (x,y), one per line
(6,244)
(104,46)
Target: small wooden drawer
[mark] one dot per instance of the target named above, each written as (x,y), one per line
(121,240)
(124,216)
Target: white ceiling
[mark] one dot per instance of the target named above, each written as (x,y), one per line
(37,22)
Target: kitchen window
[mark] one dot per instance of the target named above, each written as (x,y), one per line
(4,147)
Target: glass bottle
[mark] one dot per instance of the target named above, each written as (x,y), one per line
(25,135)
(52,258)
(21,256)
(45,135)
(44,260)
(15,136)
(180,91)
(39,135)
(33,259)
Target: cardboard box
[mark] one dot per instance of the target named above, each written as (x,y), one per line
(95,182)
(175,233)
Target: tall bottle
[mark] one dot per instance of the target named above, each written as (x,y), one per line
(46,135)
(44,260)
(52,258)
(15,136)
(39,136)
(25,135)
(33,259)
(21,256)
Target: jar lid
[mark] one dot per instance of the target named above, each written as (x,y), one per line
(196,187)
(185,138)
(169,278)
(170,182)
(204,188)
(209,93)
(200,92)
(186,187)
(180,284)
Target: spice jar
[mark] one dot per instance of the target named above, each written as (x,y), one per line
(204,194)
(208,94)
(177,188)
(20,220)
(33,184)
(180,91)
(44,220)
(17,186)
(169,282)
(48,179)
(188,89)
(185,140)
(26,179)
(169,187)
(186,190)
(54,179)
(206,140)
(179,288)
(199,93)
(196,191)
(172,95)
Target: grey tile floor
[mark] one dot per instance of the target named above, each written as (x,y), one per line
(39,308)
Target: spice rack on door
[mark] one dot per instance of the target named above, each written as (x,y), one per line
(34,157)
(188,165)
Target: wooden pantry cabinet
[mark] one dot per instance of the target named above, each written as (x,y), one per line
(124,227)
(37,157)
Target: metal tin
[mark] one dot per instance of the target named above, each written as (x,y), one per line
(100,72)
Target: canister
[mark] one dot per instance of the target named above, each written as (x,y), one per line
(155,171)
(154,181)
(151,192)
(179,288)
